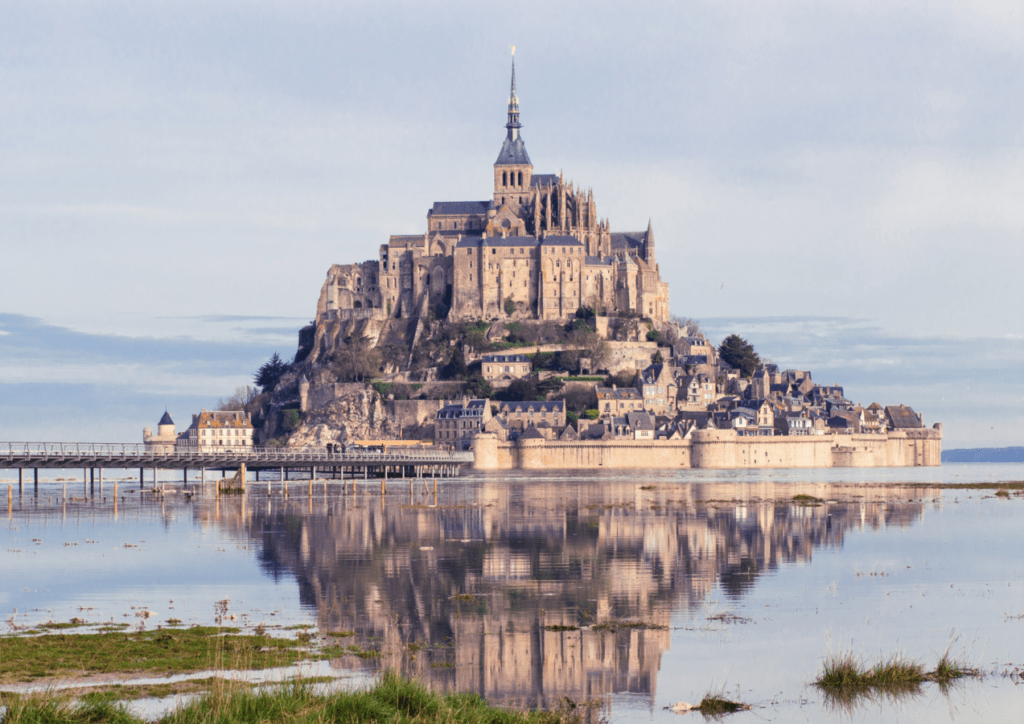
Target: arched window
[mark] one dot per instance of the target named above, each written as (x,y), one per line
(504,178)
(520,178)
(455,224)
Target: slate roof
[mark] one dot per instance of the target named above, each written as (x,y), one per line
(460,207)
(535,406)
(166,419)
(543,179)
(473,408)
(640,420)
(513,153)
(531,433)
(597,261)
(627,240)
(622,393)
(902,417)
(503,358)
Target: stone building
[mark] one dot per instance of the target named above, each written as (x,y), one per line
(213,431)
(536,248)
(531,413)
(505,367)
(455,424)
(165,438)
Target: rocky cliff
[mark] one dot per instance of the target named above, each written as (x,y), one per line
(355,413)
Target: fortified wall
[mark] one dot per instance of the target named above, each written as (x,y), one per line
(715,449)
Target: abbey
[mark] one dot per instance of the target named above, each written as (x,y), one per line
(535,249)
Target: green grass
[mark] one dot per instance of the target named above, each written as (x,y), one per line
(391,700)
(803,499)
(561,627)
(715,706)
(845,678)
(32,658)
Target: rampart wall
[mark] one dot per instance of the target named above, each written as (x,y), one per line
(715,449)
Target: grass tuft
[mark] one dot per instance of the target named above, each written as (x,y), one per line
(845,679)
(715,705)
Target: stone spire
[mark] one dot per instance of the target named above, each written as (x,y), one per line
(513,104)
(649,243)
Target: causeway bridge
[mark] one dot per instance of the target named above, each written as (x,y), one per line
(405,461)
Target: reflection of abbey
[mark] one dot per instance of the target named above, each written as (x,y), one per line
(498,589)
(536,245)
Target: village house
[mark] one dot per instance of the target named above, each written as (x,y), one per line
(456,423)
(658,387)
(521,415)
(216,431)
(616,401)
(501,369)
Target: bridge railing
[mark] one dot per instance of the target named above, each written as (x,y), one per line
(138,451)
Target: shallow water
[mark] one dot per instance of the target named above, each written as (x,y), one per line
(747,589)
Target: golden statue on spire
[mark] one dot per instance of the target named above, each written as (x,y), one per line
(513,49)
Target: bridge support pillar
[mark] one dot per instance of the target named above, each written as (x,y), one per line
(21,473)
(140,478)
(100,475)
(257,471)
(35,472)
(283,485)
(202,476)
(154,479)
(312,472)
(85,482)
(241,476)
(184,478)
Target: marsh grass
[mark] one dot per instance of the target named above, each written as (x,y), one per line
(714,705)
(391,699)
(32,658)
(845,679)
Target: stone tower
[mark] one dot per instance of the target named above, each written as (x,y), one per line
(513,169)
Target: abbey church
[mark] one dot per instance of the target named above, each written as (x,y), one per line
(536,249)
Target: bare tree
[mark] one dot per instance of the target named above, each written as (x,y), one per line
(242,396)
(690,326)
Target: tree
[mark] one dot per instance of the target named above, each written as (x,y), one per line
(242,397)
(456,367)
(270,373)
(355,359)
(510,306)
(690,326)
(739,353)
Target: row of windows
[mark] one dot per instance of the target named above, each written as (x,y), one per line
(506,176)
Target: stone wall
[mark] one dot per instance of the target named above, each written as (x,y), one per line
(715,449)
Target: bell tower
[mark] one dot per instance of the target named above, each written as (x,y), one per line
(512,170)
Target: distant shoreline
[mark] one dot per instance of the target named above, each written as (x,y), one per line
(984,455)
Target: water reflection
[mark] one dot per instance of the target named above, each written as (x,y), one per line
(494,587)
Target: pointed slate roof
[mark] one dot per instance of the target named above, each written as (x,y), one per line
(166,419)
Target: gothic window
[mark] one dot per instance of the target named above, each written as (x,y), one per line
(504,179)
(520,183)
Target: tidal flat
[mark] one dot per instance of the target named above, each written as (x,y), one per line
(609,595)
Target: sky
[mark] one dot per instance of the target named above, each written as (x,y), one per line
(839,183)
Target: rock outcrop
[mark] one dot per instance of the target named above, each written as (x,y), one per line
(356,413)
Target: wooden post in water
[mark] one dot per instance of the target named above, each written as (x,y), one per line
(10,499)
